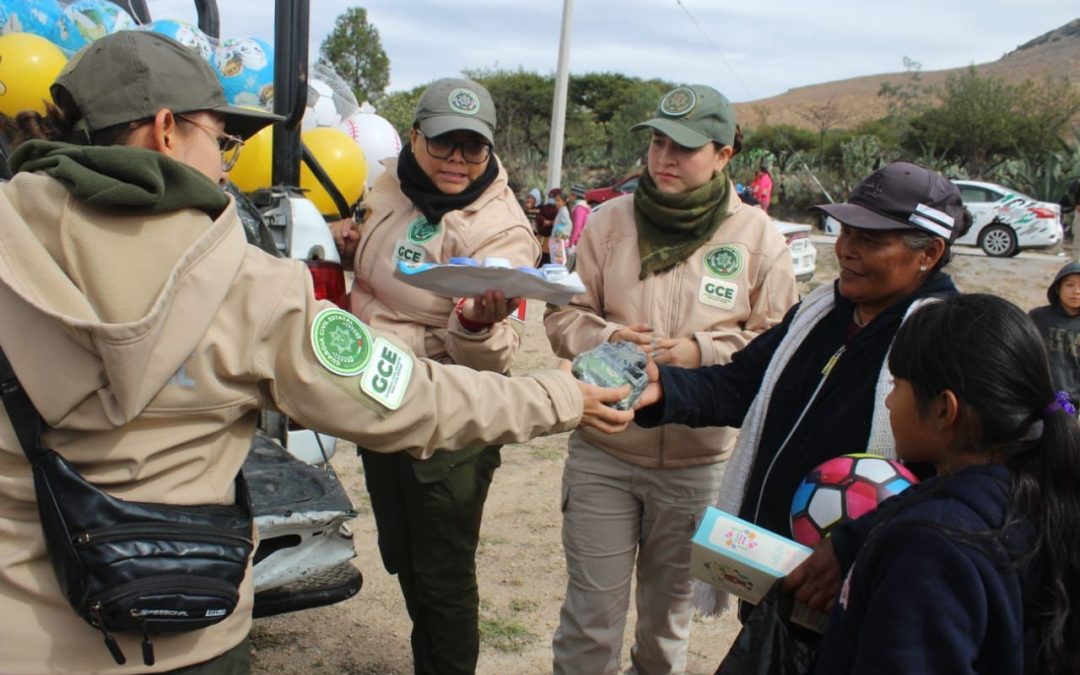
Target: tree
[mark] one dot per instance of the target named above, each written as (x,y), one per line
(354,49)
(982,121)
(824,117)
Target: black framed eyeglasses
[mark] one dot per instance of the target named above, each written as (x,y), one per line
(228,145)
(443,147)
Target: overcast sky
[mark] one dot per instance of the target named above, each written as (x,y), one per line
(748,50)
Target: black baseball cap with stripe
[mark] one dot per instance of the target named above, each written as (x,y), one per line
(904,196)
(132,74)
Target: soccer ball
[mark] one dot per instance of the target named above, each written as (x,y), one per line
(844,488)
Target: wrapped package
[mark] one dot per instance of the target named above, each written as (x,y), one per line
(614,364)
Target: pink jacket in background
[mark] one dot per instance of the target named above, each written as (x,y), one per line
(578,215)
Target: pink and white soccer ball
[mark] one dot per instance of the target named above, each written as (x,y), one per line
(376,137)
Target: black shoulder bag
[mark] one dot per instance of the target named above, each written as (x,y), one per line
(131,566)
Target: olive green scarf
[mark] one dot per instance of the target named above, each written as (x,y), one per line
(122,177)
(672,226)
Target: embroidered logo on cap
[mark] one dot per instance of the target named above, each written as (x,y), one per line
(678,102)
(464,101)
(724,262)
(420,230)
(341,342)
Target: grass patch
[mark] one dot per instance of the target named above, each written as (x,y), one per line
(523,604)
(505,635)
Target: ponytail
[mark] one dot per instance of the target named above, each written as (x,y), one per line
(1046,488)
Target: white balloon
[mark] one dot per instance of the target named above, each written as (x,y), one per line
(376,137)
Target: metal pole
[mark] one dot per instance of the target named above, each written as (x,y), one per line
(558,110)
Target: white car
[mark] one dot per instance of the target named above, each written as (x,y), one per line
(803,253)
(1005,221)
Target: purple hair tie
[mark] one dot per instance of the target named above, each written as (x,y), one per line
(1062,401)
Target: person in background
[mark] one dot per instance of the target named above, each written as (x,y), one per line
(761,186)
(976,569)
(686,271)
(561,229)
(532,209)
(814,387)
(148,334)
(1059,325)
(545,219)
(579,214)
(446,196)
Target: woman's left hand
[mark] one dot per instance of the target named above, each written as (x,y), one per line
(489,308)
(682,352)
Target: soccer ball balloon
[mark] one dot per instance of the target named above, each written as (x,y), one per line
(245,66)
(186,34)
(29,16)
(84,21)
(321,109)
(844,488)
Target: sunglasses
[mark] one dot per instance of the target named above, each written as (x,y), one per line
(443,147)
(228,145)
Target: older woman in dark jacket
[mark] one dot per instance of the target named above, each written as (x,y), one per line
(813,387)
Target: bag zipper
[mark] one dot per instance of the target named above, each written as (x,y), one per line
(129,531)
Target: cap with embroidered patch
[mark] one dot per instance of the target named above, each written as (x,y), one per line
(452,104)
(132,74)
(904,196)
(694,115)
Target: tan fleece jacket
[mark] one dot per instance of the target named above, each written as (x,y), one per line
(148,344)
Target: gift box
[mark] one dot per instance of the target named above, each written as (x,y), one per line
(745,560)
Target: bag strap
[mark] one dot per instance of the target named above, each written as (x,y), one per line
(21,411)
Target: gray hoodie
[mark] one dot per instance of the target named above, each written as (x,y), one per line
(1061,333)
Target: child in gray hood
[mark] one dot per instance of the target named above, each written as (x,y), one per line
(1059,325)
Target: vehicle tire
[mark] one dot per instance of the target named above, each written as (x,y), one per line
(999,241)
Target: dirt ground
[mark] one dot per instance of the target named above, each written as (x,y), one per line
(521,569)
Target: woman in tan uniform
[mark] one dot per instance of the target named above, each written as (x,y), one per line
(445,197)
(148,334)
(683,268)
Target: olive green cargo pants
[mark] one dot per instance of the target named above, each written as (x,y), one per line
(428,514)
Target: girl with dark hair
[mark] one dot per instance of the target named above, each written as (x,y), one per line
(978,569)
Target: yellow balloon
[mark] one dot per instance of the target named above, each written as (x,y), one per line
(344,163)
(28,66)
(253,168)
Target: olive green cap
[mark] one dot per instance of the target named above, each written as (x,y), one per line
(452,104)
(132,74)
(693,116)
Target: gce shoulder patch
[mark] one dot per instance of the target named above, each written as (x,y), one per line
(342,343)
(388,377)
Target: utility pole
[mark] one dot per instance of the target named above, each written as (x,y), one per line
(558,109)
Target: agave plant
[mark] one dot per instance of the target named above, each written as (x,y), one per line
(1050,176)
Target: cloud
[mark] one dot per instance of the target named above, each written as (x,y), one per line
(748,50)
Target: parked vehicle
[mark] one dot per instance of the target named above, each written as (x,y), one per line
(600,195)
(803,253)
(1005,221)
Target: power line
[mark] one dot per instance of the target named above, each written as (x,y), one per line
(715,48)
(750,93)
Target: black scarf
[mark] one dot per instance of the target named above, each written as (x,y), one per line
(431,201)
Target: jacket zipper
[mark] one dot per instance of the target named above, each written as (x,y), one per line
(673,313)
(825,371)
